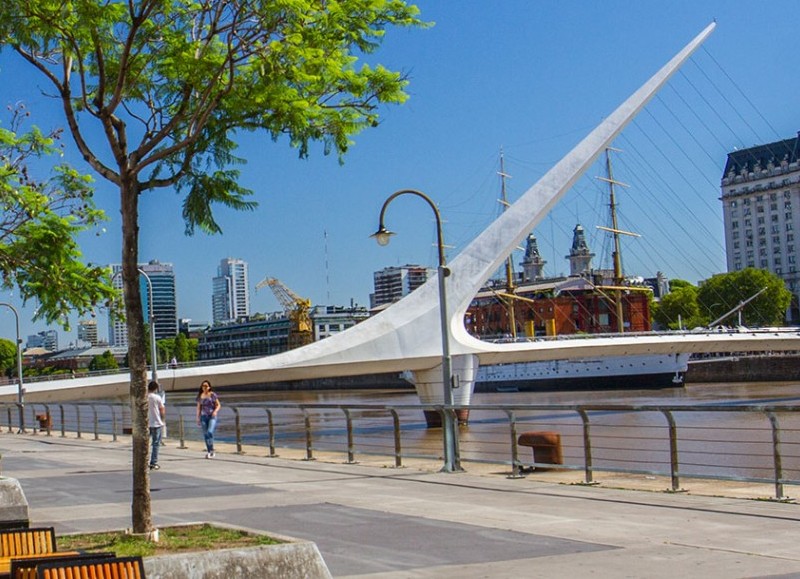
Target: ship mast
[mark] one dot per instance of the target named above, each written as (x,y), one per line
(616,255)
(509,262)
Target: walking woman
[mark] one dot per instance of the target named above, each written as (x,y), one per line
(207,409)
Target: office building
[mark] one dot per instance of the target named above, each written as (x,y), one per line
(87,332)
(393,283)
(761,210)
(230,297)
(165,300)
(165,304)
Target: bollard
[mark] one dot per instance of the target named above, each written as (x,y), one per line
(546,447)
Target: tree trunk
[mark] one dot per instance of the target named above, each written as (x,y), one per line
(141,518)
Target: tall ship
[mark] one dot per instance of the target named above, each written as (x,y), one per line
(585,302)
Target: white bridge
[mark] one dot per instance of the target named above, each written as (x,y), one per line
(407,335)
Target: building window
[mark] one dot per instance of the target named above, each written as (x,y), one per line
(787,204)
(760,209)
(759,198)
(790,237)
(737,265)
(789,226)
(791,259)
(735,225)
(777,261)
(773,196)
(761,222)
(735,245)
(733,203)
(790,249)
(764,263)
(788,215)
(776,239)
(748,222)
(762,231)
(778,271)
(787,194)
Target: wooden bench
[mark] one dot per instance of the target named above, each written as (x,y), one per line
(28,541)
(25,567)
(110,568)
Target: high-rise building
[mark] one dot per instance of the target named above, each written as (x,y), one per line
(761,210)
(164,296)
(230,294)
(87,331)
(165,299)
(392,283)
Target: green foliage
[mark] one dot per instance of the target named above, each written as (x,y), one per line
(679,307)
(721,293)
(39,220)
(190,75)
(679,283)
(104,361)
(8,357)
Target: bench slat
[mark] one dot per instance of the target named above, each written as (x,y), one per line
(110,568)
(27,541)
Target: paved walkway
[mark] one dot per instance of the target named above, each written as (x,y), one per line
(371,520)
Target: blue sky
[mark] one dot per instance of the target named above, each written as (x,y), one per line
(526,76)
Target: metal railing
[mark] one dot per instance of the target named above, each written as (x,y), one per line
(749,443)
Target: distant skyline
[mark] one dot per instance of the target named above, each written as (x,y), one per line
(530,78)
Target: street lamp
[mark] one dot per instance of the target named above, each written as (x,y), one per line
(20,388)
(153,349)
(382,236)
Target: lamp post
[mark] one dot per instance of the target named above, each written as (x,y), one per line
(20,387)
(382,236)
(153,349)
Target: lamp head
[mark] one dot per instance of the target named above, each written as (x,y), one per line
(383,235)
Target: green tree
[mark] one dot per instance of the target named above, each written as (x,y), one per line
(723,292)
(8,357)
(183,349)
(679,308)
(104,361)
(169,84)
(40,216)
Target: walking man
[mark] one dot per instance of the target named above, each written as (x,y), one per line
(156,414)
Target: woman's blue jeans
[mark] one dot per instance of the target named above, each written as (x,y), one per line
(208,424)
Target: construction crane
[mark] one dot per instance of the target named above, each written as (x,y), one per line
(297,309)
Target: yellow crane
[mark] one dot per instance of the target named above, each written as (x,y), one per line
(297,309)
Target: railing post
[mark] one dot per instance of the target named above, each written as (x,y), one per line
(113,424)
(33,417)
(307,422)
(49,419)
(10,428)
(96,423)
(398,460)
(349,423)
(63,425)
(588,477)
(181,433)
(238,425)
(515,464)
(78,419)
(673,452)
(271,433)
(776,454)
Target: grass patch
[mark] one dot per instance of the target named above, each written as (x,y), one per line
(182,539)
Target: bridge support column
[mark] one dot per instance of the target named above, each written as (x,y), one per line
(430,390)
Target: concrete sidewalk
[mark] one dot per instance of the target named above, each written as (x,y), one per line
(377,521)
